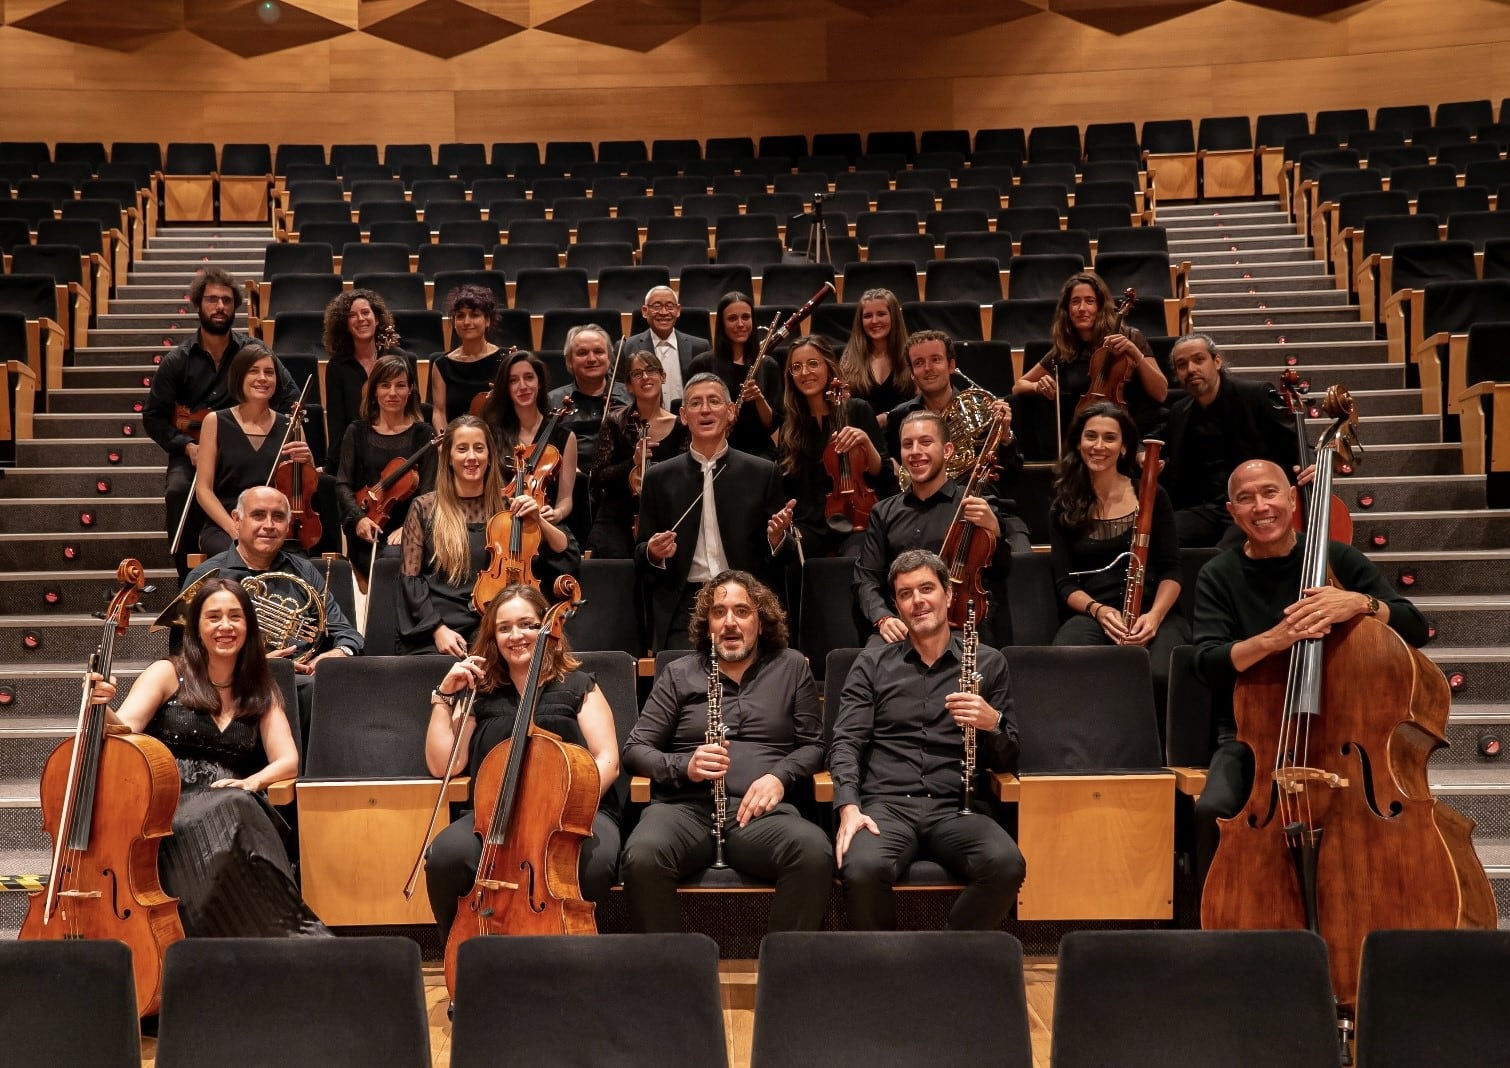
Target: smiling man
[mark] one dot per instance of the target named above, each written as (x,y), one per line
(589,360)
(896,761)
(773,740)
(675,348)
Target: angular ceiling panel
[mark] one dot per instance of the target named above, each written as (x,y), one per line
(107,23)
(640,25)
(442,28)
(1125,16)
(1310,8)
(257,27)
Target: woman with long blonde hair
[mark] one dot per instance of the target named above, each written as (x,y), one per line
(874,363)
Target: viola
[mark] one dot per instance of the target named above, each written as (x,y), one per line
(534,800)
(189,421)
(108,800)
(1110,371)
(967,548)
(1340,520)
(297,480)
(850,499)
(1340,833)
(398,482)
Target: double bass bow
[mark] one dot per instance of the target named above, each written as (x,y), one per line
(108,800)
(1340,520)
(512,545)
(1340,833)
(850,499)
(967,548)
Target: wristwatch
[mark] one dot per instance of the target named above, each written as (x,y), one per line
(447,699)
(1373,605)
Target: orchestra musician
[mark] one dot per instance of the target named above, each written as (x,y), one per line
(874,364)
(768,705)
(919,518)
(682,541)
(240,446)
(390,427)
(570,705)
(733,354)
(218,710)
(1094,515)
(1246,611)
(634,437)
(810,425)
(193,376)
(676,349)
(517,414)
(588,355)
(1084,321)
(1221,422)
(358,331)
(472,366)
(896,759)
(445,543)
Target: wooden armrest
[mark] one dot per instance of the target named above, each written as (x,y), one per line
(284,791)
(823,788)
(281,792)
(1189,781)
(25,394)
(639,789)
(1478,389)
(1430,344)
(646,666)
(1007,785)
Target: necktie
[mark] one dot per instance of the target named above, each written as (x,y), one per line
(713,545)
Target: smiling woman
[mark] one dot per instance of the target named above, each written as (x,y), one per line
(358,330)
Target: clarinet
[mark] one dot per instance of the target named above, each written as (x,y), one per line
(717,734)
(969,682)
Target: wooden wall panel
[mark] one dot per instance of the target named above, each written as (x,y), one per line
(749,68)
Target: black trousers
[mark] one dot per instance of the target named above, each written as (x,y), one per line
(1174,631)
(674,839)
(974,847)
(1229,780)
(178,494)
(452,859)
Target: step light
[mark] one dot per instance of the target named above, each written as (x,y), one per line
(1431,629)
(1490,745)
(113,456)
(7,697)
(139,407)
(1365,500)
(146,381)
(71,551)
(128,430)
(86,518)
(1406,578)
(31,640)
(102,485)
(1378,539)
(1457,682)
(52,595)
(1346,469)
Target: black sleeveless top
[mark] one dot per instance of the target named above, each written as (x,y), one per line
(238,466)
(465,379)
(204,752)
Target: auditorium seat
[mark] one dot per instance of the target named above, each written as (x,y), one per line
(246,182)
(14,232)
(623,289)
(513,154)
(573,210)
(1133,239)
(1169,148)
(89,153)
(64,266)
(69,1002)
(759,225)
(1461,156)
(1342,123)
(702,285)
(976,280)
(899,276)
(1483,408)
(540,289)
(638,210)
(445,282)
(508,212)
(483,232)
(874,223)
(555,232)
(1413,266)
(991,245)
(781,205)
(1156,279)
(1020,320)
(1224,149)
(940,224)
(794,283)
(1030,277)
(711,205)
(847,145)
(1009,141)
(593,256)
(913,997)
(1374,271)
(1155,997)
(1049,144)
(678,228)
(1414,179)
(556,323)
(756,253)
(300,292)
(1448,311)
(676,255)
(297,155)
(1349,215)
(440,212)
(916,249)
(1042,195)
(1056,242)
(602,231)
(1491,174)
(412,235)
(1452,199)
(630,999)
(983,198)
(453,257)
(960,319)
(679,186)
(296,333)
(804,184)
(337,234)
(189,182)
(374,257)
(98,262)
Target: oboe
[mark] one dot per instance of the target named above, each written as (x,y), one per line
(969,682)
(717,734)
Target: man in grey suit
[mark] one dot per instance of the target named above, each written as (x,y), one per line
(674,347)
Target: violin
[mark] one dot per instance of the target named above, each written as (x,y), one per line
(641,428)
(108,800)
(1340,520)
(967,548)
(297,480)
(1110,371)
(398,482)
(850,500)
(188,420)
(1340,833)
(534,799)
(480,401)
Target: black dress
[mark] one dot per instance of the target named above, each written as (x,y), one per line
(810,485)
(238,467)
(364,454)
(465,379)
(749,434)
(225,861)
(344,379)
(612,536)
(1075,380)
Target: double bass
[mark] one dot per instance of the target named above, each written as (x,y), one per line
(1340,520)
(534,799)
(108,800)
(967,548)
(1340,833)
(850,499)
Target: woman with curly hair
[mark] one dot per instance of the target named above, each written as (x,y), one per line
(874,363)
(468,369)
(358,329)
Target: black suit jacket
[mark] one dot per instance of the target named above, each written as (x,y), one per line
(747,494)
(1255,418)
(688,347)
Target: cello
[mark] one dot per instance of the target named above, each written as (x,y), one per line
(1340,522)
(1340,834)
(512,545)
(1109,371)
(967,549)
(108,799)
(534,799)
(849,503)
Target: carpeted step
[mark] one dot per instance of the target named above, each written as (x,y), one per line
(1407,493)
(1206,317)
(1172,214)
(1293,333)
(1225,257)
(1227,270)
(82,483)
(24,749)
(1386,402)
(128,380)
(1278,302)
(41,593)
(103,514)
(148,354)
(70,640)
(1444,573)
(1218,282)
(1473,723)
(95,402)
(1362,376)
(1387,429)
(156,290)
(49,695)
(1273,354)
(153,321)
(1485,672)
(167,337)
(84,551)
(1192,243)
(1477,528)
(1466,620)
(50,426)
(140,451)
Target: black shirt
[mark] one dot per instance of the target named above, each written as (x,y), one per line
(893,735)
(188,375)
(586,418)
(1099,543)
(771,716)
(749,433)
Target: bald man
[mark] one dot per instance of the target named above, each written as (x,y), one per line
(1248,607)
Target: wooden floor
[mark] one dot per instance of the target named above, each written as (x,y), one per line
(738,995)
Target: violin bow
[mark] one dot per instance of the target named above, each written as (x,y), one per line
(295,417)
(608,393)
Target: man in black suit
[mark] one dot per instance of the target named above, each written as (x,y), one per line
(1220,423)
(681,544)
(674,347)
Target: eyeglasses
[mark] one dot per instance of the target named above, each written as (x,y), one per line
(803,366)
(643,372)
(216,299)
(663,306)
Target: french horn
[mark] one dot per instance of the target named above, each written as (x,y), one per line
(296,617)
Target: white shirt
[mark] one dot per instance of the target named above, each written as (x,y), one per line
(666,350)
(708,557)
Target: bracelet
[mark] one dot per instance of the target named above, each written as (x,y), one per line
(1090,608)
(447,699)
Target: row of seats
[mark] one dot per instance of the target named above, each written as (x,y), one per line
(844,999)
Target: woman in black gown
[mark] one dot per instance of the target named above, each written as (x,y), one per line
(759,397)
(217,708)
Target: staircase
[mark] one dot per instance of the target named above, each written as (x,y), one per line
(94,479)
(1267,301)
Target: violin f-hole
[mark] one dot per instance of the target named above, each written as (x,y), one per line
(115,896)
